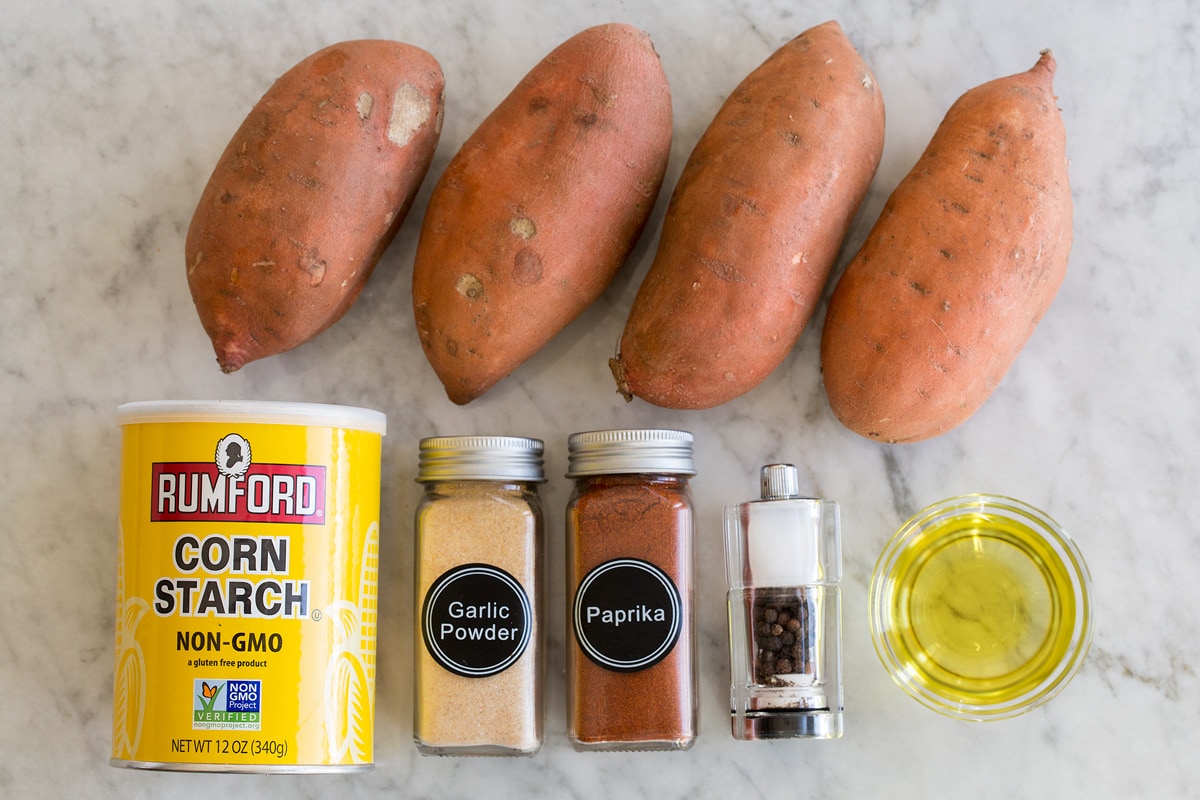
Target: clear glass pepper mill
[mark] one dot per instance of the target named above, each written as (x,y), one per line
(783,560)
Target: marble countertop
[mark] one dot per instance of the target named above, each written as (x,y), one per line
(113,115)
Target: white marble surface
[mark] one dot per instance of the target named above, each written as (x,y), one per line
(113,114)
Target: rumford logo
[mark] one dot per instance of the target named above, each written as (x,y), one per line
(232,488)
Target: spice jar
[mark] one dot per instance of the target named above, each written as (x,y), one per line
(631,665)
(479,637)
(783,559)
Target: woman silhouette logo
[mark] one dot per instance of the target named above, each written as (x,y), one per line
(233,455)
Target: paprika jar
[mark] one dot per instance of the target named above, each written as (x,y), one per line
(479,577)
(631,660)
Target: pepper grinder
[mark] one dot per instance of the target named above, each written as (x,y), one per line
(783,562)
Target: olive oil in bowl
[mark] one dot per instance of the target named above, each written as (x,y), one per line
(979,607)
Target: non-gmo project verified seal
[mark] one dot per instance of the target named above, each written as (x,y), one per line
(227,705)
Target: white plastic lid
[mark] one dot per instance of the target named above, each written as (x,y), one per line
(265,412)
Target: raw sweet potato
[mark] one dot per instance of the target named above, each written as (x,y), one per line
(754,226)
(539,209)
(962,263)
(309,193)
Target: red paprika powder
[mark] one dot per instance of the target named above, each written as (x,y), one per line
(631,661)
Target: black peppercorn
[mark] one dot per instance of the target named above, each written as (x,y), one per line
(783,639)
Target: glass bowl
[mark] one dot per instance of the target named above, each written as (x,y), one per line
(980,607)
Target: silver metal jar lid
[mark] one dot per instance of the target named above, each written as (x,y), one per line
(779,482)
(629,451)
(481,458)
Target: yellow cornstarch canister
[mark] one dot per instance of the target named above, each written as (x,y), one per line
(247,587)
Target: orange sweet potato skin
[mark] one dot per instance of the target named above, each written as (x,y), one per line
(963,262)
(754,226)
(539,209)
(309,193)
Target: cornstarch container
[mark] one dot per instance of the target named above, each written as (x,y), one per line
(248,565)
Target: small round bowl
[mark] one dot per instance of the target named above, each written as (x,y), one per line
(980,607)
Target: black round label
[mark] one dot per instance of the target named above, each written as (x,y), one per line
(476,620)
(627,615)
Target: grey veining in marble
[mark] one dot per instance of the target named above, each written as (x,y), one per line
(111,117)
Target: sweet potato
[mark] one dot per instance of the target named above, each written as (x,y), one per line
(964,260)
(754,226)
(539,209)
(309,193)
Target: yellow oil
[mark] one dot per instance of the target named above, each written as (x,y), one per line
(983,609)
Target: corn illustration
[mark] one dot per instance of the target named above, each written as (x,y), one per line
(350,674)
(208,694)
(129,673)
